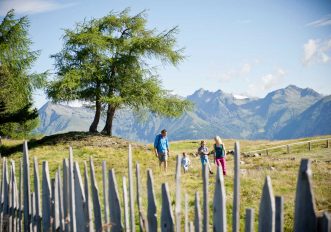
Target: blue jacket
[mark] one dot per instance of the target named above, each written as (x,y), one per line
(161,143)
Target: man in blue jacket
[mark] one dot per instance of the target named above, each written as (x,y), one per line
(161,148)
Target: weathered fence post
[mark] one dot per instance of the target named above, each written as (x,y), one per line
(219,205)
(56,203)
(37,194)
(309,146)
(46,198)
(4,195)
(324,222)
(197,213)
(205,176)
(191,227)
(167,219)
(20,198)
(236,189)
(114,203)
(80,201)
(96,201)
(279,220)
(131,195)
(305,213)
(151,208)
(60,195)
(26,187)
(12,198)
(66,208)
(143,224)
(105,196)
(186,225)
(178,194)
(249,220)
(327,143)
(88,208)
(126,209)
(267,208)
(33,212)
(72,192)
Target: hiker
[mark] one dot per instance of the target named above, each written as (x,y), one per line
(161,148)
(219,151)
(203,152)
(186,162)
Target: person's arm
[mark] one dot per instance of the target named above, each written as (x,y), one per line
(167,142)
(156,144)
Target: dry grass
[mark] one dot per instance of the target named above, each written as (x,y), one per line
(284,175)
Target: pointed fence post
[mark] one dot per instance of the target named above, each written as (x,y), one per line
(46,198)
(13,198)
(249,220)
(60,194)
(131,195)
(219,216)
(197,213)
(26,187)
(279,201)
(305,210)
(236,189)
(324,222)
(126,208)
(33,212)
(205,176)
(191,227)
(88,208)
(72,192)
(267,208)
(105,196)
(186,225)
(151,209)
(167,218)
(37,193)
(4,195)
(114,203)
(80,204)
(309,146)
(20,199)
(95,199)
(327,143)
(143,224)
(66,208)
(178,194)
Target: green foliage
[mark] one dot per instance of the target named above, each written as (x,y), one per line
(106,60)
(16,81)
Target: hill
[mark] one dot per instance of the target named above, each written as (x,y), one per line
(279,115)
(282,167)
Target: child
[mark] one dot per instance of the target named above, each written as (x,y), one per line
(219,150)
(203,152)
(186,162)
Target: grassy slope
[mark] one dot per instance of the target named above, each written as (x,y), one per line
(114,152)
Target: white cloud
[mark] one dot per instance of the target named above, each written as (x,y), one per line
(240,71)
(31,6)
(316,51)
(266,82)
(325,21)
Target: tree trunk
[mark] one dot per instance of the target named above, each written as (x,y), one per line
(94,125)
(109,121)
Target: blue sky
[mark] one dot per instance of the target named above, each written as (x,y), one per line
(242,47)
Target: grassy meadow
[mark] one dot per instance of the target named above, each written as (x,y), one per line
(280,166)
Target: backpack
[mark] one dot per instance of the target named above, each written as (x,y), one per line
(219,151)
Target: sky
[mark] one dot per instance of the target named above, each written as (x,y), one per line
(247,48)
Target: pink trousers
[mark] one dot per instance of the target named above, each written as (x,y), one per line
(221,162)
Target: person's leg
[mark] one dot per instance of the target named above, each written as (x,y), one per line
(223,163)
(165,165)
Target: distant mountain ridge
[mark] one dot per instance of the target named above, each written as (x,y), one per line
(290,112)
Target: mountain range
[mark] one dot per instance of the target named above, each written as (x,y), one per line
(291,112)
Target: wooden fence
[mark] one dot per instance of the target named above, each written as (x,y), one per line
(287,147)
(70,201)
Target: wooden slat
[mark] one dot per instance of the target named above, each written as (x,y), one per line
(26,187)
(114,203)
(267,208)
(20,199)
(305,210)
(60,194)
(88,208)
(191,227)
(131,194)
(249,220)
(178,193)
(95,199)
(236,189)
(46,198)
(4,195)
(167,218)
(205,177)
(143,224)
(324,222)
(66,208)
(33,212)
(105,196)
(279,204)
(36,183)
(197,213)
(219,217)
(151,208)
(186,222)
(81,223)
(72,192)
(126,208)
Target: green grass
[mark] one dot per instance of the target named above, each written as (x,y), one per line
(114,152)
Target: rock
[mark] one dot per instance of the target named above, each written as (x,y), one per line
(242,162)
(256,155)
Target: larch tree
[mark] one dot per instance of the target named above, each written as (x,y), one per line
(106,62)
